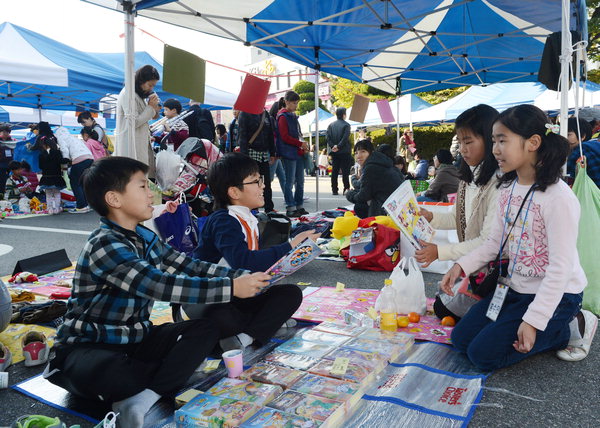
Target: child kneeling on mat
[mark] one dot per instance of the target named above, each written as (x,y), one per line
(230,236)
(107,348)
(539,306)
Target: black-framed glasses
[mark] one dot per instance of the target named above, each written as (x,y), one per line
(259,181)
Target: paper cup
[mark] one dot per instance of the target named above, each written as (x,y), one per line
(3,380)
(234,361)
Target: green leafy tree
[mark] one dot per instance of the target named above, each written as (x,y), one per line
(306,90)
(436,97)
(343,91)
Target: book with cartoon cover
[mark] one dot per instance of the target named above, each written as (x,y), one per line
(273,418)
(403,208)
(367,359)
(356,373)
(272,374)
(323,337)
(339,328)
(301,255)
(309,406)
(312,349)
(209,411)
(295,361)
(326,387)
(398,337)
(389,350)
(254,392)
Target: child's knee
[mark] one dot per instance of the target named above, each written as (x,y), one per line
(482,358)
(459,340)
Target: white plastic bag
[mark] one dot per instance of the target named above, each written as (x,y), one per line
(408,290)
(24,205)
(386,301)
(168,168)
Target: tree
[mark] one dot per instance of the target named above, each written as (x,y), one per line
(343,91)
(593,7)
(436,97)
(306,90)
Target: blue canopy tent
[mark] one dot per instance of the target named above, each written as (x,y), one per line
(395,45)
(41,73)
(214,99)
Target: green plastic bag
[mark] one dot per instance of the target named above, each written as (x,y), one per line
(587,240)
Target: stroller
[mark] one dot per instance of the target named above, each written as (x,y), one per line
(184,173)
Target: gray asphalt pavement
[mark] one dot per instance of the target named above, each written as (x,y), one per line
(566,393)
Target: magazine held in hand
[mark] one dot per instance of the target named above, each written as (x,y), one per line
(402,207)
(299,256)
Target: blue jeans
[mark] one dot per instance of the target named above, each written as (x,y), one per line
(277,168)
(423,198)
(489,344)
(75,179)
(294,178)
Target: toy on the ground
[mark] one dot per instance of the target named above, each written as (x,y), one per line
(35,204)
(343,226)
(23,277)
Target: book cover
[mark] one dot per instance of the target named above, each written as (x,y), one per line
(388,336)
(339,328)
(272,374)
(253,392)
(356,373)
(301,255)
(371,360)
(308,406)
(323,337)
(208,411)
(388,350)
(273,418)
(295,361)
(326,387)
(298,346)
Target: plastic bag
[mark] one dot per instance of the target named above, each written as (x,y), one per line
(168,167)
(408,290)
(386,301)
(178,229)
(587,240)
(24,205)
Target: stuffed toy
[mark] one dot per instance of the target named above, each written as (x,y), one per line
(344,226)
(20,277)
(35,204)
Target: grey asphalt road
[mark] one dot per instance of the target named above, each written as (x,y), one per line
(566,394)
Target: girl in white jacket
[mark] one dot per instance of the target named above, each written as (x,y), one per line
(80,158)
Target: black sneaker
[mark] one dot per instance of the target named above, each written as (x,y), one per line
(292,213)
(301,211)
(335,192)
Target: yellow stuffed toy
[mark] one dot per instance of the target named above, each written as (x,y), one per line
(344,226)
(385,220)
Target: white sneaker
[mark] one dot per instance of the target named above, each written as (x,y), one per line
(579,348)
(83,210)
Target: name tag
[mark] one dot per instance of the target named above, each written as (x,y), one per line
(498,299)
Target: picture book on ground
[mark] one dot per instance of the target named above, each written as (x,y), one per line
(272,374)
(300,256)
(403,209)
(254,392)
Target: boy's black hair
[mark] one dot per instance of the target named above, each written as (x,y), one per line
(584,127)
(444,156)
(387,150)
(84,115)
(479,120)
(14,165)
(340,112)
(25,165)
(229,171)
(89,131)
(399,160)
(221,130)
(5,127)
(32,126)
(142,75)
(526,121)
(364,145)
(108,174)
(172,103)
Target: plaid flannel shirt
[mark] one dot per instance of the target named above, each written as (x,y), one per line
(118,276)
(591,150)
(259,157)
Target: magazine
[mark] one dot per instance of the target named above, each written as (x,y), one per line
(403,209)
(300,256)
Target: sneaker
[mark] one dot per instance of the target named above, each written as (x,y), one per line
(109,421)
(37,421)
(306,198)
(579,348)
(292,213)
(35,348)
(290,323)
(83,210)
(335,193)
(5,357)
(301,211)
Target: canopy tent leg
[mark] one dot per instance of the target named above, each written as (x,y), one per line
(565,60)
(316,151)
(126,142)
(397,124)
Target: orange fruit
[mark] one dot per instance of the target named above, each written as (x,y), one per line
(414,317)
(448,321)
(403,321)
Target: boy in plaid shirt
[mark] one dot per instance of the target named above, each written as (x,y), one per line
(107,348)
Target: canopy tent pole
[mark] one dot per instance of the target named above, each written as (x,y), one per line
(316,152)
(565,60)
(397,124)
(125,143)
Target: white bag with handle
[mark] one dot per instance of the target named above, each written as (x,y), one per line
(408,289)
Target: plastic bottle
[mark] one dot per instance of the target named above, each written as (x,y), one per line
(388,314)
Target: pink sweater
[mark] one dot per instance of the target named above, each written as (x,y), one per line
(548,263)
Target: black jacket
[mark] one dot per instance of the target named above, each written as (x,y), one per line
(201,123)
(248,125)
(338,133)
(378,181)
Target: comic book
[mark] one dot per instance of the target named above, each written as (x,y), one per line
(389,350)
(277,419)
(298,346)
(207,411)
(339,328)
(326,387)
(402,207)
(309,406)
(388,336)
(323,337)
(356,373)
(301,255)
(254,392)
(371,360)
(295,361)
(272,374)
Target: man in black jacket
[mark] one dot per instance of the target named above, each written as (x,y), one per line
(200,122)
(256,139)
(338,142)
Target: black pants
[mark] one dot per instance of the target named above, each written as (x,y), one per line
(264,170)
(341,161)
(4,173)
(259,317)
(162,362)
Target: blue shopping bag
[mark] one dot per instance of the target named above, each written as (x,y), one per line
(178,229)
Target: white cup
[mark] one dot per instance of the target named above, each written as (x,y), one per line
(3,380)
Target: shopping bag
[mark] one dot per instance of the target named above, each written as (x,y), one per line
(588,195)
(178,229)
(383,257)
(408,289)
